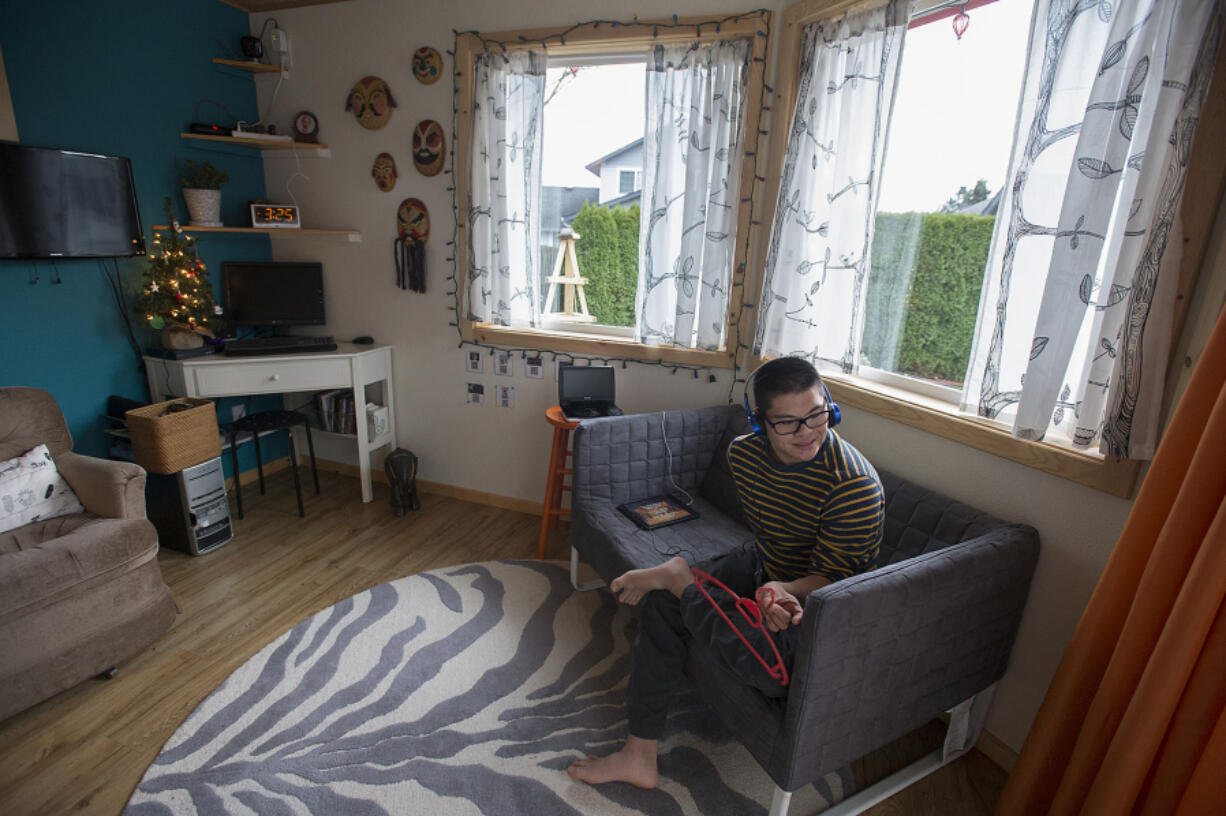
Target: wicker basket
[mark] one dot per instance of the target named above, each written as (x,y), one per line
(166,441)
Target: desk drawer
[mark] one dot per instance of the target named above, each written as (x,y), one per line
(270,377)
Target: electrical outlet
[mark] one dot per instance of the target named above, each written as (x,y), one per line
(237,412)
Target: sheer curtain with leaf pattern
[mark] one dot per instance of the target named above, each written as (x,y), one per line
(1078,300)
(504,189)
(687,235)
(817,261)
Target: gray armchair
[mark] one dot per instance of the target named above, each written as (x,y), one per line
(927,632)
(82,592)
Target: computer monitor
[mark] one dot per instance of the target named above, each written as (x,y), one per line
(585,385)
(274,293)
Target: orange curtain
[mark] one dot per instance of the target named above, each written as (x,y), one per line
(1133,722)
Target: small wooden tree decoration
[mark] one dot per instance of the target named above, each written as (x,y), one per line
(177,295)
(569,280)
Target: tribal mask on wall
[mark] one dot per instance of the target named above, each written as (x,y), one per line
(371,102)
(409,247)
(427,65)
(413,219)
(428,147)
(384,172)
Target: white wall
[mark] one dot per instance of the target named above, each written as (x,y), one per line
(505,451)
(482,448)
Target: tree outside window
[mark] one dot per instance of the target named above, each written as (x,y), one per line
(933,230)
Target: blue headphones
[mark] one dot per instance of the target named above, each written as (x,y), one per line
(836,415)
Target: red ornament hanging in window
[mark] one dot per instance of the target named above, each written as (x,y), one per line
(961,21)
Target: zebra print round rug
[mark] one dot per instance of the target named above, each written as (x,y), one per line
(466,690)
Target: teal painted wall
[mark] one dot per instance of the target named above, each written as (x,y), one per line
(123,78)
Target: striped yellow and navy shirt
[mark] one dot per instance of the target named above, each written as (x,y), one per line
(821,517)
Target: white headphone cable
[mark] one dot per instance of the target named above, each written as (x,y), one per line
(669,451)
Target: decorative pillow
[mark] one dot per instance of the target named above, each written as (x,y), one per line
(31,489)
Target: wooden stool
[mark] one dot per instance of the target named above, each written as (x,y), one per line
(554,483)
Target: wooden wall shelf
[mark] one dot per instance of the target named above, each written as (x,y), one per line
(352,236)
(251,67)
(262,144)
(258,6)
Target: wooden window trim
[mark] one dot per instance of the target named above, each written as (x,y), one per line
(1204,192)
(1108,474)
(593,345)
(595,38)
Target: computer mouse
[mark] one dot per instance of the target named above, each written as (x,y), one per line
(364,340)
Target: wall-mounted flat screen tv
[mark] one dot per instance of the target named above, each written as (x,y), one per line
(66,204)
(274,293)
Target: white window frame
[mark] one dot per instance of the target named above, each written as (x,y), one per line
(605,43)
(588,329)
(925,388)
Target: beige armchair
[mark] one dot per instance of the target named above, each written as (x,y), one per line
(79,593)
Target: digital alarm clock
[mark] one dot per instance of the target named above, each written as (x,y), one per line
(275,216)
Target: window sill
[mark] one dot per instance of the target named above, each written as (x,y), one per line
(604,347)
(1110,475)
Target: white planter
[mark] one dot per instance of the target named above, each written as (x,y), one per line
(204,207)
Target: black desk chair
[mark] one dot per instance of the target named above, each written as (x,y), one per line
(261,422)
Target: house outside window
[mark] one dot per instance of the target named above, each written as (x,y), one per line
(619,172)
(616,174)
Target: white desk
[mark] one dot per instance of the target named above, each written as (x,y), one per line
(350,366)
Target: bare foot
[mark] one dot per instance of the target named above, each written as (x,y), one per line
(673,575)
(634,763)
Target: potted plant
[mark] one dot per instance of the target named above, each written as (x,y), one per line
(202,191)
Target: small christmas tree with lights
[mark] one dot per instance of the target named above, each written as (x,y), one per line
(176,293)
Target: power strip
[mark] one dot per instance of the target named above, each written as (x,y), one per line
(268,137)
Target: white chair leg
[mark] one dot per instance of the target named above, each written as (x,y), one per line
(780,802)
(574,575)
(965,723)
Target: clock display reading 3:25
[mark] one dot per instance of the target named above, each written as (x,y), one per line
(282,216)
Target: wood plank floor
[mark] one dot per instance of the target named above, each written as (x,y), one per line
(85,750)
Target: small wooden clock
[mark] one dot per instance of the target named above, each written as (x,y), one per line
(306,127)
(275,216)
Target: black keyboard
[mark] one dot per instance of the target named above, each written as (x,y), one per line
(251,346)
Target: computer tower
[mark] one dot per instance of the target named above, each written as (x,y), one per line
(189,508)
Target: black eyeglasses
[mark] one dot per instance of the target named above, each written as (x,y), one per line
(787,427)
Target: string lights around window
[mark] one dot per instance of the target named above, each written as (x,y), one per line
(734,340)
